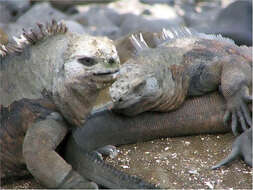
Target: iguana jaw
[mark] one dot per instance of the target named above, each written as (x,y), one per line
(105,79)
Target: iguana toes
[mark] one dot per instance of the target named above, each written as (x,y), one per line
(46,73)
(185,63)
(242,147)
(198,115)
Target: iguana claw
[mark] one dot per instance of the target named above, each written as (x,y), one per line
(237,107)
(108,150)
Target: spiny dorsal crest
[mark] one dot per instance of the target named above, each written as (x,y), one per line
(170,35)
(32,37)
(138,42)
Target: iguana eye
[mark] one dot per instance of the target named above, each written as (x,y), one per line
(87,61)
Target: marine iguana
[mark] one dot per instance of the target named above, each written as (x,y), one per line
(185,63)
(242,147)
(198,115)
(56,74)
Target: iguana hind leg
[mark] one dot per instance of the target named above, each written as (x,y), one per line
(43,162)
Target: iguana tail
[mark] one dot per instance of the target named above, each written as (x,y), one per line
(232,156)
(93,168)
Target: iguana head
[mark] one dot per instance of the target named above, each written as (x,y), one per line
(148,81)
(76,67)
(137,88)
(89,67)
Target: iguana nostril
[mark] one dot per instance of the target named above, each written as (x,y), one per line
(111,61)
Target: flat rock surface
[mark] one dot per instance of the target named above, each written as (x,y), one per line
(182,162)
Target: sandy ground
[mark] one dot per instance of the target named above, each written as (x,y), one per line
(185,163)
(177,163)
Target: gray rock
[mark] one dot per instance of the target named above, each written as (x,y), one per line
(234,21)
(100,20)
(40,12)
(5,14)
(170,2)
(200,20)
(138,16)
(14,7)
(134,23)
(75,27)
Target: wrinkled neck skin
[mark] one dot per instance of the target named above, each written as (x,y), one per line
(70,100)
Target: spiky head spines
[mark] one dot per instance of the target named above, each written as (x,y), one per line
(174,33)
(168,35)
(138,42)
(32,37)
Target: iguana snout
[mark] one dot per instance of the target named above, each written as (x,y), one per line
(135,88)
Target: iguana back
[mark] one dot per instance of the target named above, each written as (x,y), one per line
(185,63)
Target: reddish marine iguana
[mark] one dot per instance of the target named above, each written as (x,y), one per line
(136,181)
(185,63)
(56,74)
(198,115)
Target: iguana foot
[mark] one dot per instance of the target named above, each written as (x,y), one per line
(237,107)
(108,150)
(242,147)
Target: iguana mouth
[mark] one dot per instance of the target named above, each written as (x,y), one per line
(106,76)
(106,72)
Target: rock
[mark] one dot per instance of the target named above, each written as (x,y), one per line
(100,20)
(40,12)
(234,21)
(119,18)
(138,16)
(14,7)
(75,27)
(198,15)
(200,20)
(134,23)
(133,6)
(170,2)
(5,14)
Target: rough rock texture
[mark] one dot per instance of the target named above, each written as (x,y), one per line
(5,14)
(96,19)
(42,12)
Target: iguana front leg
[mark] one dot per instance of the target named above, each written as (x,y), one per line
(236,86)
(43,162)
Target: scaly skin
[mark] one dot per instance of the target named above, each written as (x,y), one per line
(241,148)
(67,71)
(185,64)
(198,115)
